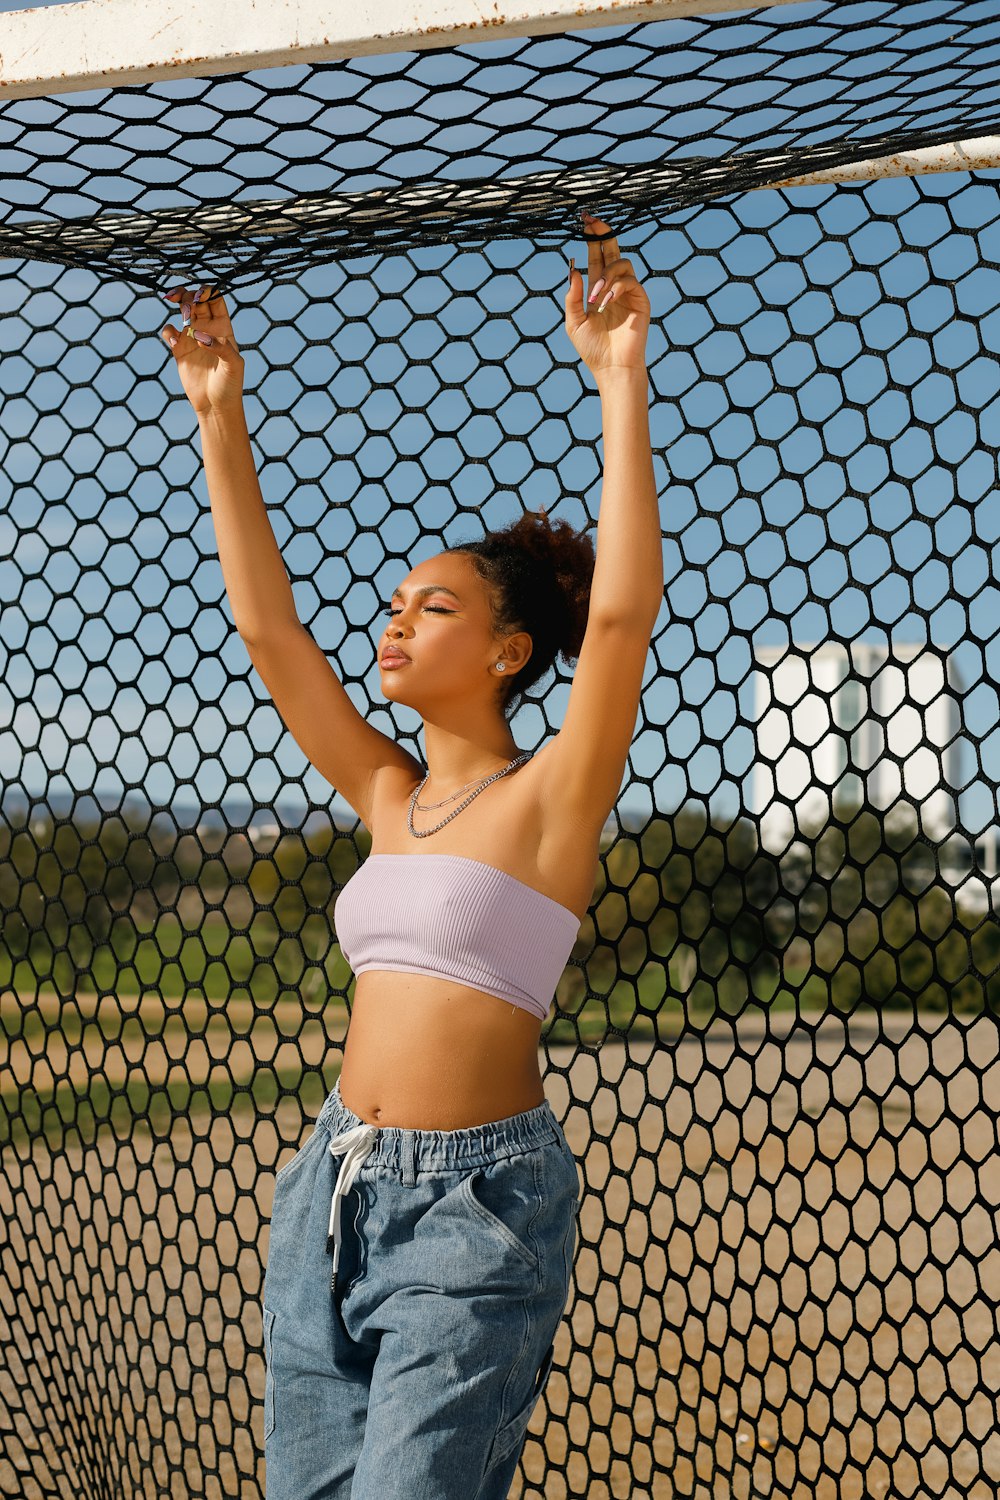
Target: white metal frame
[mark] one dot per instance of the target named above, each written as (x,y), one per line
(104,43)
(961,156)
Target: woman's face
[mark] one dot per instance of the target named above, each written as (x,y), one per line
(440,620)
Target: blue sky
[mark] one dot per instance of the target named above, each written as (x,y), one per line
(825,380)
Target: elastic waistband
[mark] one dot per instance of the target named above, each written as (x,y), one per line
(425,1150)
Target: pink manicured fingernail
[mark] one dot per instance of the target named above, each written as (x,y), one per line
(171,339)
(186,310)
(204,338)
(597,288)
(606,300)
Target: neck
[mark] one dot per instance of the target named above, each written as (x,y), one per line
(456,754)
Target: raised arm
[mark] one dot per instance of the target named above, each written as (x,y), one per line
(587,757)
(308,695)
(609,332)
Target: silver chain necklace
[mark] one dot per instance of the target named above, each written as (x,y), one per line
(422,834)
(432,806)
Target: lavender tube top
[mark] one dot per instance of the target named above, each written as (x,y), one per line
(456,918)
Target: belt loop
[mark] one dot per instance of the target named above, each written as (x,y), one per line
(409,1149)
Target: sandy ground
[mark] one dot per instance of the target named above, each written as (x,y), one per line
(785,1282)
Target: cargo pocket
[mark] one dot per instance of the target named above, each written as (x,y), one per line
(301,1156)
(268,1375)
(512,1435)
(508,1188)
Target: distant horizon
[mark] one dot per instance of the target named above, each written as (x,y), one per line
(63,797)
(300,811)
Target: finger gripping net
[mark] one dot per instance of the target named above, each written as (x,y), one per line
(775,1049)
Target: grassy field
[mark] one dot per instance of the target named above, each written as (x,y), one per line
(133,1057)
(781,1287)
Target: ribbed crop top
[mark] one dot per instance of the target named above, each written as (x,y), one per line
(456,918)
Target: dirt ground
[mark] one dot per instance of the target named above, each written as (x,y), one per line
(784,1283)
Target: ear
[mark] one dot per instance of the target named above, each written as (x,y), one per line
(514,651)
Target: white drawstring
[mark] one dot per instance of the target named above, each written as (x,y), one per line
(353,1145)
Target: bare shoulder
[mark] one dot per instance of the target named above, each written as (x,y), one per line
(568,834)
(391,789)
(561,810)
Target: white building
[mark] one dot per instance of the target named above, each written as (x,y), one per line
(899,710)
(896,706)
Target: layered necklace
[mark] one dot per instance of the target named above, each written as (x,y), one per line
(431,806)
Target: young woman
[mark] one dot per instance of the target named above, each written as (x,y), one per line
(408,1341)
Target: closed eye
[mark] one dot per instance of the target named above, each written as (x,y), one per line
(434,609)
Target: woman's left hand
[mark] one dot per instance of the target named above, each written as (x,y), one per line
(616,336)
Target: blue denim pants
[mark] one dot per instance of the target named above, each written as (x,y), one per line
(411,1373)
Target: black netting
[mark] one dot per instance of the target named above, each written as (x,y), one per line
(775,1050)
(250,177)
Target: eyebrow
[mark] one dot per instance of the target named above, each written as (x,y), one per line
(428,588)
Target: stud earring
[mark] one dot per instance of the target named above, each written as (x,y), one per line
(501,666)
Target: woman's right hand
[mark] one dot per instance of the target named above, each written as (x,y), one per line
(206,352)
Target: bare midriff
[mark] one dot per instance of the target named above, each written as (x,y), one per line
(425,1053)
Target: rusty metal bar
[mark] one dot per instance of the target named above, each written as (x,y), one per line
(98,44)
(961,156)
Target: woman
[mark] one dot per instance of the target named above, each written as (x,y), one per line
(406,1350)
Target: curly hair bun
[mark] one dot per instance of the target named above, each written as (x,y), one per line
(539,575)
(568,556)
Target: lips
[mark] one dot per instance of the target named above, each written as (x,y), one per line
(394,656)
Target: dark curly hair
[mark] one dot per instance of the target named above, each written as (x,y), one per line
(539,576)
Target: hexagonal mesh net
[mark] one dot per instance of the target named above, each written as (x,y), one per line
(775,1048)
